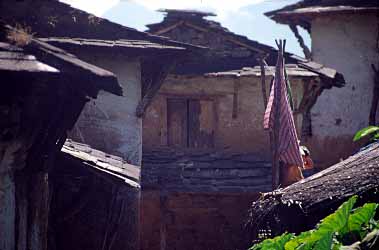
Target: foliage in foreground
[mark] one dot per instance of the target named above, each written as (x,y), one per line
(372,131)
(345,229)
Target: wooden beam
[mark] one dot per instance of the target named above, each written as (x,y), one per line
(235,98)
(157,79)
(196,27)
(307,52)
(375,97)
(169,28)
(244,45)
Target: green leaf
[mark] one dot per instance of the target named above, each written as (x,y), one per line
(365,131)
(324,243)
(331,224)
(337,220)
(276,243)
(297,241)
(362,216)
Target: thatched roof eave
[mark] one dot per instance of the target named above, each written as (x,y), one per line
(316,196)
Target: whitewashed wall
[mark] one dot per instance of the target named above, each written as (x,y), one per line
(348,44)
(109,123)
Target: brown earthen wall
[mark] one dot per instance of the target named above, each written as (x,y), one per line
(242,133)
(198,221)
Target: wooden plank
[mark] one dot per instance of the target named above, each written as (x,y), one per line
(201,123)
(177,122)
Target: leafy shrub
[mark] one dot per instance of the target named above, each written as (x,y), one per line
(346,228)
(373,131)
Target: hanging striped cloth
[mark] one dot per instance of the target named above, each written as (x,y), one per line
(288,144)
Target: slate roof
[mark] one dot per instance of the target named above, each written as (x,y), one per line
(292,70)
(13,58)
(302,12)
(103,163)
(187,12)
(38,56)
(122,43)
(195,19)
(174,15)
(56,19)
(173,171)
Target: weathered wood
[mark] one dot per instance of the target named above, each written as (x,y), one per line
(375,97)
(275,141)
(316,196)
(177,122)
(164,220)
(7,212)
(196,27)
(236,86)
(153,78)
(200,124)
(262,64)
(205,171)
(307,52)
(169,28)
(22,210)
(38,213)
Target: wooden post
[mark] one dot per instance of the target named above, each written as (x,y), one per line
(275,163)
(164,220)
(263,63)
(375,97)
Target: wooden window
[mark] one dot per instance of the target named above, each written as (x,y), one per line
(190,123)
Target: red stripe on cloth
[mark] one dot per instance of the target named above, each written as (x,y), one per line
(288,145)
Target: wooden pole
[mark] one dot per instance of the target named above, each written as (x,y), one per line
(375,98)
(275,162)
(263,63)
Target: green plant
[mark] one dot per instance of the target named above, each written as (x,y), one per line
(344,229)
(370,130)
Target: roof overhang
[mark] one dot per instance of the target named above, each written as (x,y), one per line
(110,166)
(302,13)
(137,48)
(36,56)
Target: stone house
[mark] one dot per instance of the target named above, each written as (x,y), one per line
(345,36)
(110,124)
(205,153)
(132,55)
(44,89)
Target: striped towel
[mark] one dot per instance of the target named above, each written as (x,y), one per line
(288,144)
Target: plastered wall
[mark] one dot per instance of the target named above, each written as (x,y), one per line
(109,123)
(346,43)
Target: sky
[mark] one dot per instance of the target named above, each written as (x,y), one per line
(244,17)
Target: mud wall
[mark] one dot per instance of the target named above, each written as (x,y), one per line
(238,110)
(347,43)
(109,123)
(189,221)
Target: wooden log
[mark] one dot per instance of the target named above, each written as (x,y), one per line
(306,50)
(314,197)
